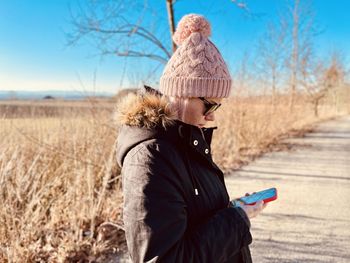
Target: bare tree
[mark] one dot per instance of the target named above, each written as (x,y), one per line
(119,28)
(334,77)
(170,10)
(320,79)
(271,50)
(311,80)
(294,55)
(300,18)
(243,76)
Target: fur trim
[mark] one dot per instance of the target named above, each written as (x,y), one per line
(146,110)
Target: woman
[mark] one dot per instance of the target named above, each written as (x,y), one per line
(176,206)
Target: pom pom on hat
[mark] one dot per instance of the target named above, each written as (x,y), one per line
(189,24)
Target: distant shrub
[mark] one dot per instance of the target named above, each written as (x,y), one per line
(48,97)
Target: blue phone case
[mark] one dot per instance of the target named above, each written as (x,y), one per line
(266,195)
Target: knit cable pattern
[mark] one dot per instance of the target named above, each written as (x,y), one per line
(197,67)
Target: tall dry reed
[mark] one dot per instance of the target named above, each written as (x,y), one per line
(60,189)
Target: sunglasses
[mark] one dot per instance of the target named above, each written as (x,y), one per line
(209,106)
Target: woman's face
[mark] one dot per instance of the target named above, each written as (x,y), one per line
(195,112)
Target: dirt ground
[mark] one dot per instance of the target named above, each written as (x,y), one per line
(310,220)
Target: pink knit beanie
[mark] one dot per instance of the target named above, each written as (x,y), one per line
(196,69)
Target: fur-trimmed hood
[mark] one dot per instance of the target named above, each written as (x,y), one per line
(148,109)
(148,115)
(141,117)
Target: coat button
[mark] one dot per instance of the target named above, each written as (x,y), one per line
(195,142)
(206,151)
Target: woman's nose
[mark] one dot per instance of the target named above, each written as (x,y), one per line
(210,117)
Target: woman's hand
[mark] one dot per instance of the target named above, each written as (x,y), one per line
(253,210)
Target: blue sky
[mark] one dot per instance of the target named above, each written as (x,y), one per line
(34,54)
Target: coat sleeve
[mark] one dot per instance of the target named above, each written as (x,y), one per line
(155,216)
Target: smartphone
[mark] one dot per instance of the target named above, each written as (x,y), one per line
(267,195)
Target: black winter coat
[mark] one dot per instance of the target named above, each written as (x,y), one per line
(176,206)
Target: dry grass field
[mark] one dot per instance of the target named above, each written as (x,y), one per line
(60,192)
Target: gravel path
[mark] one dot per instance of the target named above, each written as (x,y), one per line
(310,221)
